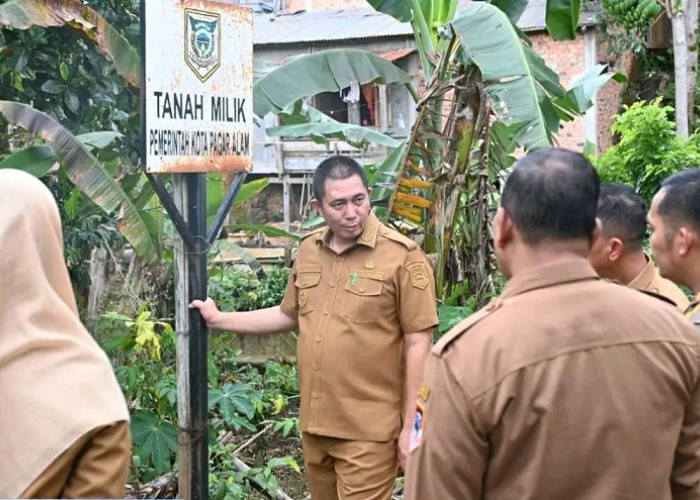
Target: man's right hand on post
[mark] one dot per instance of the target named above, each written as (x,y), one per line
(208,310)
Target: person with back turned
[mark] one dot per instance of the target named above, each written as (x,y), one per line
(618,253)
(566,386)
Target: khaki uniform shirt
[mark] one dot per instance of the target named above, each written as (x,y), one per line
(649,280)
(353,311)
(565,387)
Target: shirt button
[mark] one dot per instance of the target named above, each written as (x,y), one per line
(314,395)
(325,311)
(318,339)
(332,285)
(362,289)
(315,366)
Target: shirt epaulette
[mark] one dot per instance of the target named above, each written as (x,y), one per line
(315,231)
(464,325)
(398,237)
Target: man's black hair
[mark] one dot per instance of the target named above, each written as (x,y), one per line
(552,194)
(680,203)
(336,168)
(623,214)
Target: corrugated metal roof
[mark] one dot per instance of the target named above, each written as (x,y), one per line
(325,25)
(349,24)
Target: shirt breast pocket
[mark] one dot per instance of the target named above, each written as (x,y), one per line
(361,299)
(307,287)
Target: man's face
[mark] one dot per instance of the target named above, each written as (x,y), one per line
(345,207)
(663,242)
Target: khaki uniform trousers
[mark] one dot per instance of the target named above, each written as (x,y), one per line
(342,469)
(95,466)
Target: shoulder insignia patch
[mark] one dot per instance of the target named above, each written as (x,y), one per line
(419,274)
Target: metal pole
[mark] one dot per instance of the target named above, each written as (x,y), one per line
(191,283)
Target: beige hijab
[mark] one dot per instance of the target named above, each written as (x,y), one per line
(56,384)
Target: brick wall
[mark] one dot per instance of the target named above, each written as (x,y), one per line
(567,60)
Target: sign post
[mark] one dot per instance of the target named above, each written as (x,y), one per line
(196,108)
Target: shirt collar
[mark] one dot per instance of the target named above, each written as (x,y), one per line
(547,275)
(368,237)
(645,277)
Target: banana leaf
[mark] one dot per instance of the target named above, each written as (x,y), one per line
(326,71)
(87,173)
(353,134)
(35,160)
(512,8)
(562,18)
(23,14)
(491,42)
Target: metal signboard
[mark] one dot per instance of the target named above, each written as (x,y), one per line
(197,88)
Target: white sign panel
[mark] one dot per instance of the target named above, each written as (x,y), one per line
(198,86)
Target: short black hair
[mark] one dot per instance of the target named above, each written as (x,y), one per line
(336,168)
(552,194)
(623,214)
(680,203)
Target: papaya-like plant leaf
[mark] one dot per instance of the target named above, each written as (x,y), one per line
(88,174)
(155,439)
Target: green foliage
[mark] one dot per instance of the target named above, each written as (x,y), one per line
(449,316)
(144,351)
(632,14)
(649,149)
(240,291)
(240,400)
(235,403)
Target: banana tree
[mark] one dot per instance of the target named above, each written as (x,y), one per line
(88,174)
(486,94)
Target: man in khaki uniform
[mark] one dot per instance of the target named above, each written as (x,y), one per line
(674,219)
(566,386)
(362,297)
(617,252)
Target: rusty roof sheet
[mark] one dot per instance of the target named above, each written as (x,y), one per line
(349,24)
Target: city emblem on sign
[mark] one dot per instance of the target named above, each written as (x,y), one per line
(202,42)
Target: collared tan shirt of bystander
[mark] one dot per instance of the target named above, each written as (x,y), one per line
(649,280)
(353,310)
(566,386)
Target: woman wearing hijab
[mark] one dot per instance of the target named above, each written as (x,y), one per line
(64,424)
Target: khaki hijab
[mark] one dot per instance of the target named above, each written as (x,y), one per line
(56,384)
